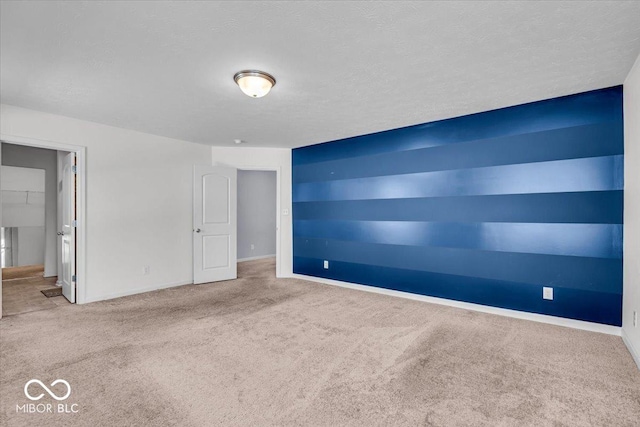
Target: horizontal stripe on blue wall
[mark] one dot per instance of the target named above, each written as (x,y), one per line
(590,174)
(594,274)
(599,207)
(587,240)
(595,140)
(486,208)
(580,304)
(598,106)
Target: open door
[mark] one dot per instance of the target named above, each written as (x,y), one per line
(68,232)
(214,223)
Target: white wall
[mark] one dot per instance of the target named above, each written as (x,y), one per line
(22,179)
(23,215)
(631,293)
(252,158)
(256,214)
(30,157)
(23,197)
(30,246)
(139,200)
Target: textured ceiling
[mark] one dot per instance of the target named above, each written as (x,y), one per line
(342,69)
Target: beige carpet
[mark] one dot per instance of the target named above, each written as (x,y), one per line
(260,351)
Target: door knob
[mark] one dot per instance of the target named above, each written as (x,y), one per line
(197,230)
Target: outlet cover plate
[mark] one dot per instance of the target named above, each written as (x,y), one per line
(547,293)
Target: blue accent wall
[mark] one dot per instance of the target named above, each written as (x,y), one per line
(487,208)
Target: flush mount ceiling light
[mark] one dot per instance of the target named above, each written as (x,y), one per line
(254,83)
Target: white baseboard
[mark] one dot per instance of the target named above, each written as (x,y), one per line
(634,351)
(253,258)
(542,318)
(135,291)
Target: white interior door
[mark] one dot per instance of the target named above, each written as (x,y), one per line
(214,223)
(68,232)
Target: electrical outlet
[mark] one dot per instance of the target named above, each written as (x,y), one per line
(326,264)
(146,270)
(635,318)
(547,293)
(253,246)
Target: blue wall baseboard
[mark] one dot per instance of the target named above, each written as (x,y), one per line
(487,208)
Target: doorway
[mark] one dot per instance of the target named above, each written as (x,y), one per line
(257,220)
(29,211)
(23,237)
(29,283)
(215,222)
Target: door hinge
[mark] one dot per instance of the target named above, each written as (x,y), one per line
(73,278)
(74,169)
(74,223)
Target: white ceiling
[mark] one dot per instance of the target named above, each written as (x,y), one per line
(342,69)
